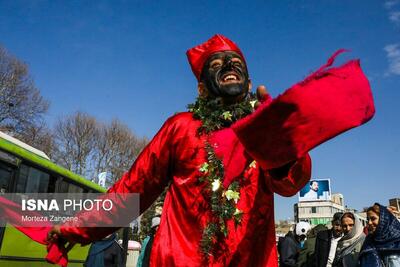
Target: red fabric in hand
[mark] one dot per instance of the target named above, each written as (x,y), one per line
(13,213)
(325,104)
(228,147)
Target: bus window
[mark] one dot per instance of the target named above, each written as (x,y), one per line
(66,187)
(6,173)
(32,180)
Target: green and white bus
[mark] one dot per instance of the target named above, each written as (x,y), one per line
(24,169)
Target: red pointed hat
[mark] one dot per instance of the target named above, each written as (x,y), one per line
(198,55)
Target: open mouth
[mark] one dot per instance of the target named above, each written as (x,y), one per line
(230,77)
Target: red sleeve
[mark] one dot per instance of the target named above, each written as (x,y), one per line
(286,180)
(152,170)
(148,176)
(295,178)
(324,105)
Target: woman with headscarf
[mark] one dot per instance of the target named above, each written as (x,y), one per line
(382,245)
(349,246)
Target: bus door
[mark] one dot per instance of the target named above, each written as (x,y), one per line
(28,179)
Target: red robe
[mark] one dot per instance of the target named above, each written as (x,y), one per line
(325,104)
(175,155)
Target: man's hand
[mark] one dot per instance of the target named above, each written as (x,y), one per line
(55,236)
(262,95)
(281,172)
(394,211)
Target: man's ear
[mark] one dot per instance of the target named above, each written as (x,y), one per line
(250,85)
(201,87)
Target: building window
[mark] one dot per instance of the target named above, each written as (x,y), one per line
(313,209)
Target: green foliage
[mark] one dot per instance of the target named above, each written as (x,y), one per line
(215,116)
(222,202)
(208,239)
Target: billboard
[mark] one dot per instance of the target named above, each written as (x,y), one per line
(316,190)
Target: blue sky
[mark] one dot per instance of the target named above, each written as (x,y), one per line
(126,60)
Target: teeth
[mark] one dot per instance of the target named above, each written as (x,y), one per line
(230,77)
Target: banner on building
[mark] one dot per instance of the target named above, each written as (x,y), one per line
(316,190)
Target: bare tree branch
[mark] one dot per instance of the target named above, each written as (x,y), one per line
(75,139)
(21,104)
(116,148)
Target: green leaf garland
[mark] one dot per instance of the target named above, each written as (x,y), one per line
(215,116)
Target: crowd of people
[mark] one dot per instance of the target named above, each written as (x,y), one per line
(109,253)
(347,243)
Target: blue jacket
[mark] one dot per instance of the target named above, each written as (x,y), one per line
(104,253)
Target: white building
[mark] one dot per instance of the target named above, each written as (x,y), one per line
(319,211)
(395,202)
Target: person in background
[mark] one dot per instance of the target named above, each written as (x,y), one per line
(290,246)
(382,244)
(307,253)
(105,253)
(144,257)
(313,192)
(326,242)
(349,246)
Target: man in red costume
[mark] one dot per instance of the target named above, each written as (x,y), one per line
(219,208)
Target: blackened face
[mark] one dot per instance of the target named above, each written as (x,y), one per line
(225,75)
